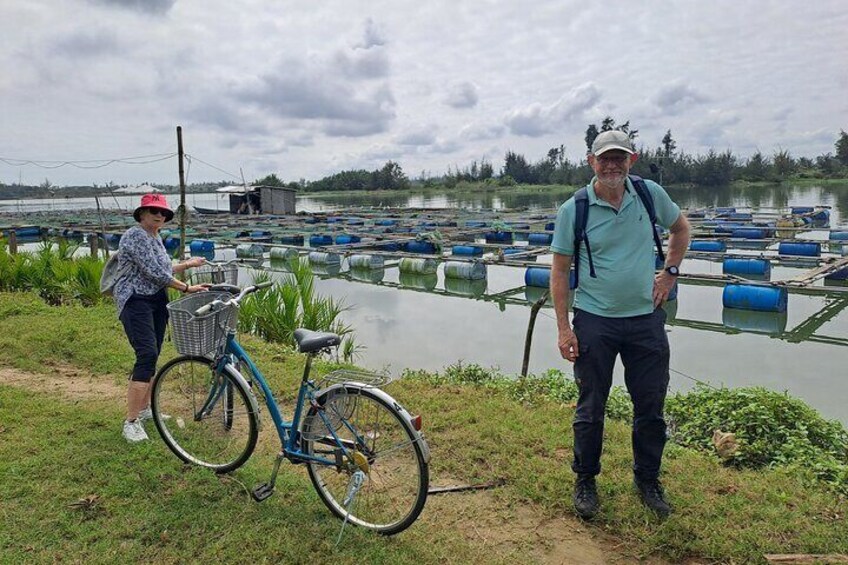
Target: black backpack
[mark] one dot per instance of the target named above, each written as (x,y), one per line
(581,212)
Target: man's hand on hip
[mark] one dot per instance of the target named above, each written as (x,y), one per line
(663,283)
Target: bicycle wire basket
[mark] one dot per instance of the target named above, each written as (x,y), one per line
(201,335)
(215,274)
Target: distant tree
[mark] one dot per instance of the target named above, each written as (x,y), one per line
(669,145)
(842,148)
(591,133)
(516,166)
(486,170)
(714,169)
(756,168)
(391,177)
(269,180)
(784,164)
(608,124)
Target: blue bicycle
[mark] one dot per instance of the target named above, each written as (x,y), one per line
(363,451)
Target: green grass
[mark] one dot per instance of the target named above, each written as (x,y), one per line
(55,451)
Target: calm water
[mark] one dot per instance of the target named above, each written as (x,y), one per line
(433,328)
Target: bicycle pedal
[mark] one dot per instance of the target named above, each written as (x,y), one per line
(262,492)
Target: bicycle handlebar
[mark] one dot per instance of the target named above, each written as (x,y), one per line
(219,303)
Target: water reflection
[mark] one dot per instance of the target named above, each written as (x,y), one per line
(368,275)
(770,323)
(420,282)
(464,287)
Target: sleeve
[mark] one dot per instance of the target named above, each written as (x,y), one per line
(667,211)
(563,240)
(138,250)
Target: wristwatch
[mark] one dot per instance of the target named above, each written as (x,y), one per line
(672,270)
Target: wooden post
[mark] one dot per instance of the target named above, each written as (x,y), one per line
(93,243)
(102,232)
(182,208)
(530,325)
(13,241)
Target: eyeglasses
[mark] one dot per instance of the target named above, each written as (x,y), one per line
(613,158)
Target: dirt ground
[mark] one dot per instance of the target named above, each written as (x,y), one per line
(479,516)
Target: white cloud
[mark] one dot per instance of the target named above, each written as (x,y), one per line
(462,95)
(536,120)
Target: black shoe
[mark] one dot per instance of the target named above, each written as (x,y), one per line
(586,497)
(651,493)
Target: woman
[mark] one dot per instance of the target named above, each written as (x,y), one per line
(141,296)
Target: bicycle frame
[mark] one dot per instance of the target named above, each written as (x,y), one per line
(286,430)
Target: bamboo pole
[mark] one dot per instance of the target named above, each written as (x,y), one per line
(182,209)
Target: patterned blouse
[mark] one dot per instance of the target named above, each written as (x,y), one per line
(149,267)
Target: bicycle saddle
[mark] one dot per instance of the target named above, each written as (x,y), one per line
(309,341)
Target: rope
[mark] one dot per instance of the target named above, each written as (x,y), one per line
(214,167)
(138,160)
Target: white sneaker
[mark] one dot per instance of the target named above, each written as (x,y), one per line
(134,431)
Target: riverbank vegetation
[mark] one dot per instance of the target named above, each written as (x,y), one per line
(663,162)
(74,498)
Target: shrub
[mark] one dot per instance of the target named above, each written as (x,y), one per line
(771,429)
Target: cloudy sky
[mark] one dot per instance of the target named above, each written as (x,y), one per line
(305,89)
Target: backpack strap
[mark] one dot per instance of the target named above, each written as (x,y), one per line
(648,202)
(581,217)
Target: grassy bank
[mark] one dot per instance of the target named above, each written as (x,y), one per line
(71,489)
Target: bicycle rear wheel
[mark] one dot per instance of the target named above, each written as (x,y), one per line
(388,462)
(206,418)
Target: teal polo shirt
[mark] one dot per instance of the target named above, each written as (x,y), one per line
(622,250)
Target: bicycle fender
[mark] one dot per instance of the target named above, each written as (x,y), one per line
(254,405)
(384,396)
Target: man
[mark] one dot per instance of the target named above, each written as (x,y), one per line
(617,311)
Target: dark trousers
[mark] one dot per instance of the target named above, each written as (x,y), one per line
(144,319)
(643,345)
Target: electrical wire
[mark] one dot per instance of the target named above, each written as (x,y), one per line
(214,167)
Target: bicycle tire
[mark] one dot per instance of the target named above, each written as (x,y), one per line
(395,487)
(224,436)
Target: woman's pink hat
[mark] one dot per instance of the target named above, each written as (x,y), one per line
(154,200)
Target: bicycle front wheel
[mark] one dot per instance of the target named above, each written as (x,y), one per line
(206,418)
(381,483)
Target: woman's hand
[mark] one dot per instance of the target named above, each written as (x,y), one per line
(191,289)
(195,262)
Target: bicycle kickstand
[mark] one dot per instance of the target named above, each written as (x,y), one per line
(265,490)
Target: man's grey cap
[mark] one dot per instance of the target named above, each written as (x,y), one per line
(612,139)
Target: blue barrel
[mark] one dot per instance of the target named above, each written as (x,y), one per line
(801,210)
(420,247)
(550,226)
(840,275)
(740,217)
(537,276)
(171,243)
(355,222)
(541,278)
(804,249)
(746,266)
(476,224)
(467,250)
(821,218)
(385,222)
(724,210)
(335,220)
(311,220)
(317,240)
(201,246)
(259,234)
(499,237)
(292,240)
(696,214)
(540,239)
(343,239)
(708,245)
(388,246)
(839,235)
(114,239)
(514,250)
(760,298)
(748,233)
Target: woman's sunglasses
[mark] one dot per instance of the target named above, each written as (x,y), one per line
(157,212)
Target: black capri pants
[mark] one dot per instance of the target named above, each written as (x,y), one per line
(145,319)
